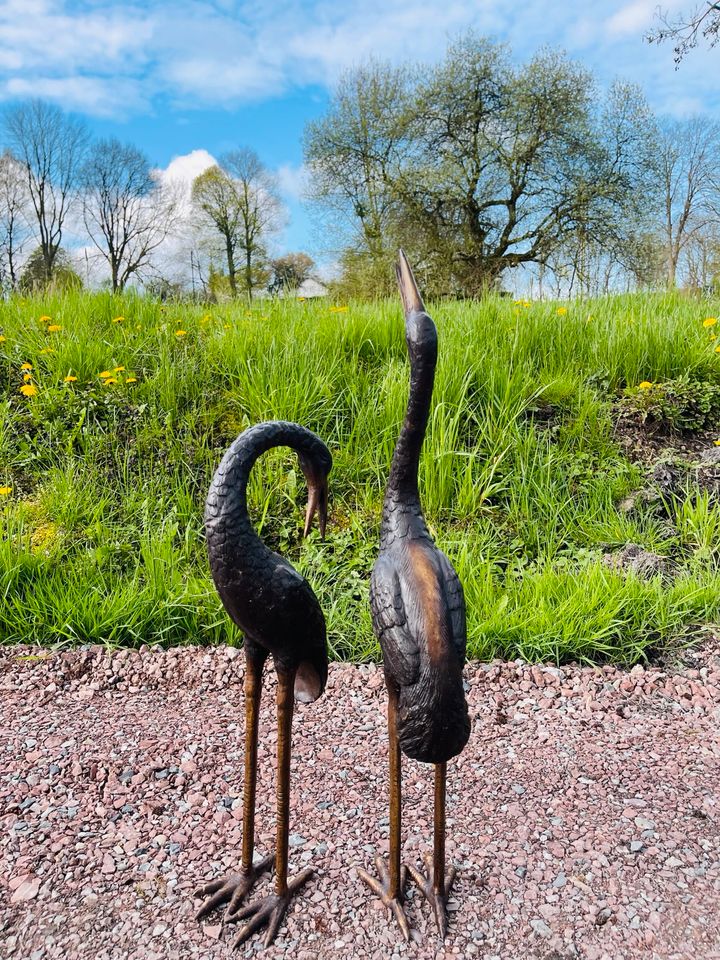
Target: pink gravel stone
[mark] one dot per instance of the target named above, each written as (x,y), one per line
(27,890)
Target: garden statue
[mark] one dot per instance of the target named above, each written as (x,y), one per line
(280,617)
(418,613)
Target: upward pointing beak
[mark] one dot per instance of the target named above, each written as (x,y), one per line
(317,503)
(412,301)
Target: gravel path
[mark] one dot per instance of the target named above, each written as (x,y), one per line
(583,816)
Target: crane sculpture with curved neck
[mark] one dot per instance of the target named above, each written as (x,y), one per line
(418,614)
(280,617)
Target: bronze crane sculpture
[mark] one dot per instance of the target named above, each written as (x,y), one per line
(280,617)
(418,614)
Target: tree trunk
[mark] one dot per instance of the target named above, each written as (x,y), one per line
(248,272)
(231,266)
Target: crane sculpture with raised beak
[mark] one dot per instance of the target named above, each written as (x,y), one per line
(418,614)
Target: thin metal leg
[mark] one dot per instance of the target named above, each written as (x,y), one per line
(391,883)
(439,827)
(253,693)
(271,909)
(232,889)
(285,708)
(436,884)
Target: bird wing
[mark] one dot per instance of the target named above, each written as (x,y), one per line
(401,655)
(455,598)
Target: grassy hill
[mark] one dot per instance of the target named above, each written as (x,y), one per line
(527,476)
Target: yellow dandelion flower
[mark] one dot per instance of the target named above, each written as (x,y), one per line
(717,442)
(47,350)
(713,336)
(44,319)
(54,327)
(108,381)
(118,319)
(301,299)
(226,326)
(70,379)
(645,385)
(26,366)
(28,390)
(2,338)
(131,380)
(717,349)
(709,321)
(119,369)
(180,333)
(526,303)
(105,373)
(4,491)
(561,311)
(27,377)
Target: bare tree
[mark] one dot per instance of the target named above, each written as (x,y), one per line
(14,202)
(126,210)
(50,145)
(239,198)
(685,31)
(687,160)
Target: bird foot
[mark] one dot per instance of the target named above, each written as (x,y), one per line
(393,900)
(438,898)
(231,889)
(269,911)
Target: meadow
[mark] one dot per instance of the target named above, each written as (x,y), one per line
(116,410)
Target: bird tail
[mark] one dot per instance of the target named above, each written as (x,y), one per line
(433,721)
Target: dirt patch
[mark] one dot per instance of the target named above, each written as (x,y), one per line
(583,817)
(645,444)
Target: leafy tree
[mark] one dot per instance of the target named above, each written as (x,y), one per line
(50,145)
(34,277)
(127,212)
(290,271)
(239,198)
(215,195)
(354,154)
(477,166)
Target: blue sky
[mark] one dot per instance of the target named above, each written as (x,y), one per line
(209,75)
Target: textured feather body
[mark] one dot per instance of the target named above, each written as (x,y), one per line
(263,594)
(416,598)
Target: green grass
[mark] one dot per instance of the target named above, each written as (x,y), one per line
(101,534)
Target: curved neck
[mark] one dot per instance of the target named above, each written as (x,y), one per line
(226,503)
(402,487)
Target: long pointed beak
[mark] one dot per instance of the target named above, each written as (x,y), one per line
(412,301)
(317,503)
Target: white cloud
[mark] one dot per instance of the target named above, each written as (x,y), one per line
(111,58)
(183,169)
(293,181)
(632,19)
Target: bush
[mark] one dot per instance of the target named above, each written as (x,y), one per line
(677,406)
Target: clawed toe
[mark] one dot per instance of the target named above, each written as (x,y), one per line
(231,890)
(390,898)
(438,898)
(269,911)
